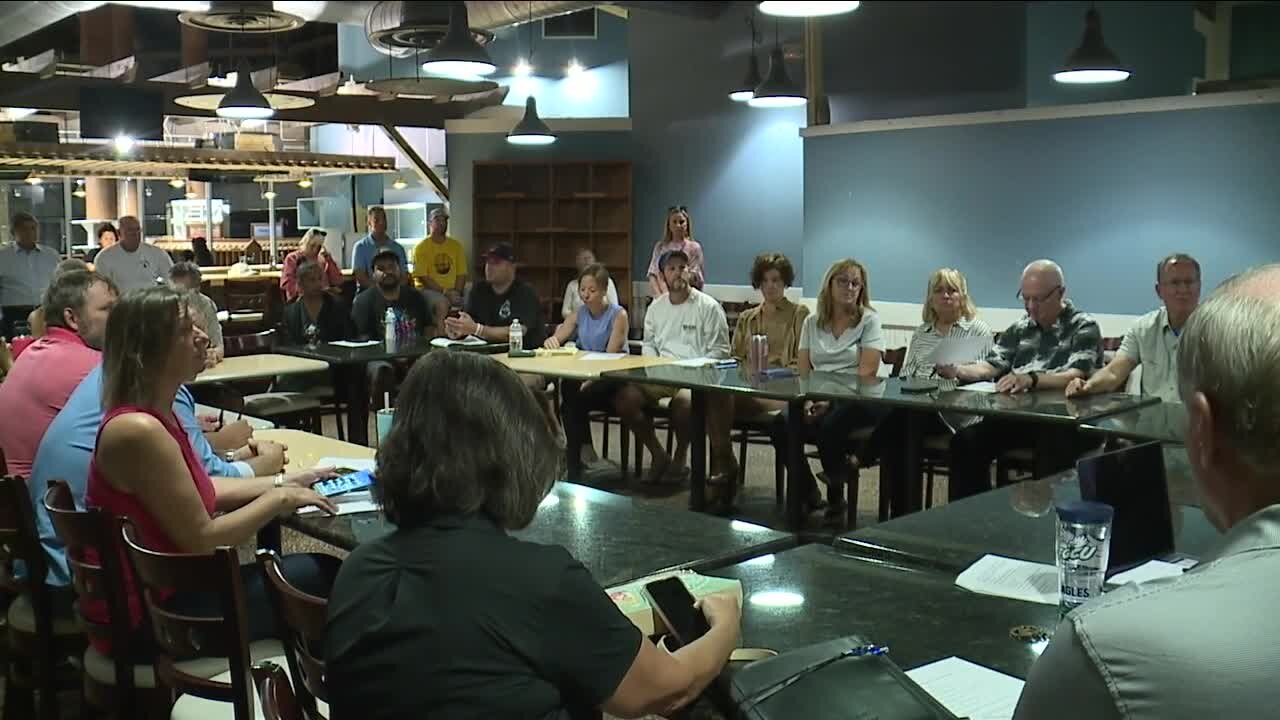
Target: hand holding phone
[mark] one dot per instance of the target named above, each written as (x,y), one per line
(348,482)
(675,606)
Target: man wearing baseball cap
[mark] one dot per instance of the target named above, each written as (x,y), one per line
(440,265)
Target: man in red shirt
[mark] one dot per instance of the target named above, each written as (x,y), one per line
(76,308)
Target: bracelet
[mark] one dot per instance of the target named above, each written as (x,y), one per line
(1035,379)
(279,480)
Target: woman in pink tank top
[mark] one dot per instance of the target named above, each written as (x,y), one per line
(144,468)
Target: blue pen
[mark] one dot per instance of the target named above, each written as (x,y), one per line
(771,690)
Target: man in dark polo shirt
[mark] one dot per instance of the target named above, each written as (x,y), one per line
(497,300)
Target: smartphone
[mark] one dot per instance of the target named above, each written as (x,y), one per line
(674,604)
(350,481)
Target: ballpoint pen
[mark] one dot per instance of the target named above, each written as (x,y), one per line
(770,690)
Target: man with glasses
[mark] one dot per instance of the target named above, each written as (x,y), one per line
(1152,342)
(1046,350)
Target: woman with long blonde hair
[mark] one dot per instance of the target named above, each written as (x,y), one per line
(843,336)
(677,234)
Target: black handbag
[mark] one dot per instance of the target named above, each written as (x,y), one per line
(825,682)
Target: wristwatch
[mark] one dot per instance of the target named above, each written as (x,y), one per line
(279,481)
(1035,379)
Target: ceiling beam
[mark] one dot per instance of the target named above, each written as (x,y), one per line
(420,166)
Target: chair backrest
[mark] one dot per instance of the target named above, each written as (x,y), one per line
(247,295)
(20,541)
(301,617)
(180,637)
(276,693)
(96,576)
(219,395)
(251,344)
(894,358)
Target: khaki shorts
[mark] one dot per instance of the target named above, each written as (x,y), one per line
(656,393)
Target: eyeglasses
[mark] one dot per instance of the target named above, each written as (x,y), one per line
(845,283)
(1038,300)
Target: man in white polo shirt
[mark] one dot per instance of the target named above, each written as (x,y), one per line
(26,267)
(683,324)
(132,264)
(1152,342)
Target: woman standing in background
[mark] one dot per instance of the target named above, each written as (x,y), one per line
(677,235)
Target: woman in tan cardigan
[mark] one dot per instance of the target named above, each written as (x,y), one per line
(780,320)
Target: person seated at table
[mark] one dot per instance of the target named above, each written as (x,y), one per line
(599,326)
(317,307)
(683,324)
(1197,645)
(200,252)
(186,276)
(144,467)
(497,300)
(35,319)
(844,336)
(440,265)
(677,235)
(368,315)
(107,236)
(369,247)
(530,633)
(1054,344)
(76,307)
(572,301)
(949,314)
(1152,342)
(310,250)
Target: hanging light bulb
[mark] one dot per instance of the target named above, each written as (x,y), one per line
(190,195)
(807,8)
(35,180)
(777,90)
(573,68)
(399,183)
(522,68)
(79,191)
(531,130)
(244,102)
(458,53)
(124,144)
(1093,62)
(146,191)
(177,183)
(269,195)
(305,183)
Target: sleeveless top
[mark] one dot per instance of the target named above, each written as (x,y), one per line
(148,532)
(593,332)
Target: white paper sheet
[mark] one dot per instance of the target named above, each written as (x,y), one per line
(968,689)
(443,342)
(1017,579)
(1150,570)
(958,351)
(695,362)
(348,503)
(979,387)
(354,343)
(602,356)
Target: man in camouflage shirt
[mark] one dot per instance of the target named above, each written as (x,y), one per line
(1054,344)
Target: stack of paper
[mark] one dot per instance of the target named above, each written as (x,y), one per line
(969,690)
(1146,572)
(1017,579)
(959,350)
(601,356)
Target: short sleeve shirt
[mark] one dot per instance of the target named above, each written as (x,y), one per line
(369,312)
(25,274)
(1073,342)
(519,301)
(367,249)
(443,262)
(458,620)
(142,268)
(829,353)
(1154,345)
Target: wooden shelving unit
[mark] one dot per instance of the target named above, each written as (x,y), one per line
(547,211)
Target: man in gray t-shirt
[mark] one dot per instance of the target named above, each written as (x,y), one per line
(131,263)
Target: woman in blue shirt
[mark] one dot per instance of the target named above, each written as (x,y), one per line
(600,326)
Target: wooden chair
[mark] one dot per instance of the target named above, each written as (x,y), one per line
(301,619)
(276,693)
(288,409)
(179,637)
(110,685)
(40,638)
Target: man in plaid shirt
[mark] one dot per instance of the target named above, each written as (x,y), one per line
(1054,344)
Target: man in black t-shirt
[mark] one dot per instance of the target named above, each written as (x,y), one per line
(496,300)
(493,303)
(368,313)
(389,291)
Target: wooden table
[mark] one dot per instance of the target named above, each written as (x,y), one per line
(306,449)
(572,371)
(252,367)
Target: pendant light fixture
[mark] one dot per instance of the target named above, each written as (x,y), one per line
(399,184)
(777,90)
(531,130)
(244,102)
(807,8)
(79,191)
(177,183)
(752,81)
(1093,62)
(458,53)
(305,183)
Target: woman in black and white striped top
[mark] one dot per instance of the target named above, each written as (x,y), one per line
(948,314)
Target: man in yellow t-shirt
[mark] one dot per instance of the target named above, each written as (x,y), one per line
(440,265)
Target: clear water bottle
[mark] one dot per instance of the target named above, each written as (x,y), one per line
(389,329)
(312,334)
(1082,549)
(516,336)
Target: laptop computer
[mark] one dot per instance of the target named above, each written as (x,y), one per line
(1132,481)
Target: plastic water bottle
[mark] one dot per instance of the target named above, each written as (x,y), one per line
(516,336)
(1083,548)
(389,329)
